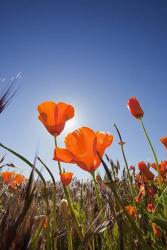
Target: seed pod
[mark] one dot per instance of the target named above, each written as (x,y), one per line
(64,209)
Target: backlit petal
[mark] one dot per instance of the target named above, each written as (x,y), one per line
(64,155)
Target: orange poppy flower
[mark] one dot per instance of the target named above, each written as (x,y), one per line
(13,179)
(163,167)
(156,230)
(151,208)
(140,179)
(66,178)
(54,116)
(154,166)
(45,223)
(135,108)
(164,141)
(138,199)
(141,194)
(7,176)
(144,169)
(82,146)
(131,211)
(17,180)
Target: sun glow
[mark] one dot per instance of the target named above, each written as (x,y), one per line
(76,122)
(71,125)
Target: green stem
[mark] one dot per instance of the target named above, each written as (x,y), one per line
(126,164)
(69,237)
(68,197)
(54,197)
(153,151)
(48,233)
(59,165)
(159,199)
(121,205)
(134,226)
(76,222)
(96,189)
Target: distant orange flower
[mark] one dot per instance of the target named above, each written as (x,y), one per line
(135,108)
(7,176)
(131,211)
(151,207)
(54,116)
(164,141)
(140,179)
(66,178)
(154,166)
(17,181)
(144,169)
(142,193)
(45,223)
(82,146)
(138,199)
(163,167)
(13,179)
(156,230)
(151,191)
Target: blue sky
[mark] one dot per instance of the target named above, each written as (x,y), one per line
(92,54)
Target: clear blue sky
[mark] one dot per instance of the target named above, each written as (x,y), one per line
(92,54)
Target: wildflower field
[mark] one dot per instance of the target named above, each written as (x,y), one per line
(124,209)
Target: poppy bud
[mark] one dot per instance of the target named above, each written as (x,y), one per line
(164,141)
(131,211)
(151,208)
(64,208)
(135,108)
(156,230)
(45,223)
(66,178)
(145,170)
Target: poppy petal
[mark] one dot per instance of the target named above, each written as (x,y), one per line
(164,141)
(66,177)
(63,112)
(104,140)
(46,115)
(63,155)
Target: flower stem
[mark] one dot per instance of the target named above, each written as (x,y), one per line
(76,222)
(59,165)
(54,195)
(96,189)
(134,226)
(153,151)
(126,164)
(68,197)
(69,237)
